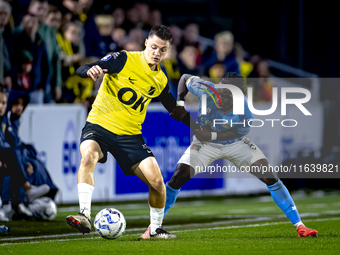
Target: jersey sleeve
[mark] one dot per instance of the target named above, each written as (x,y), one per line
(114,63)
(198,86)
(167,99)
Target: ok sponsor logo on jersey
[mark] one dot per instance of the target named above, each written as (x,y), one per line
(130,97)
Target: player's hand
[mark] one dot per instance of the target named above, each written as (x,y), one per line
(202,134)
(95,72)
(178,113)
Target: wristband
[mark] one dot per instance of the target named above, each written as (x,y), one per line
(213,136)
(180,103)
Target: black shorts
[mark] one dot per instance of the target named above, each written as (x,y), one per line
(128,150)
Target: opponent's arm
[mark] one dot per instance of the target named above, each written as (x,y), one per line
(204,135)
(182,89)
(113,63)
(176,112)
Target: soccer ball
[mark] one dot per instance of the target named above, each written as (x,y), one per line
(43,208)
(109,223)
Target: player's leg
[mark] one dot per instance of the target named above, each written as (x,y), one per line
(183,173)
(246,154)
(197,156)
(148,171)
(281,196)
(91,153)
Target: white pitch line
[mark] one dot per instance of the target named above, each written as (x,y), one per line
(94,235)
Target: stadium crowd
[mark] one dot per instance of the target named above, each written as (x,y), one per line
(42,43)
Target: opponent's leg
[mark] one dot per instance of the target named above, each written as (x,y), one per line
(283,199)
(148,171)
(180,177)
(90,154)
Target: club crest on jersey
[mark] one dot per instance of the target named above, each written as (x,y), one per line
(107,57)
(196,147)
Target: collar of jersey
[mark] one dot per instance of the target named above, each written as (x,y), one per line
(226,111)
(146,66)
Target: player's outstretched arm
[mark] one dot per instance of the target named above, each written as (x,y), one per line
(113,63)
(176,111)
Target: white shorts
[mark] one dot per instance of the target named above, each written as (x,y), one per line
(241,153)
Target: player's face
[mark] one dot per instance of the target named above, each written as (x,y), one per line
(3,103)
(155,50)
(226,98)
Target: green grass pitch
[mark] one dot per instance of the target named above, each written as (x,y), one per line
(208,226)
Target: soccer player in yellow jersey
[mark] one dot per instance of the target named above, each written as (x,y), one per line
(131,80)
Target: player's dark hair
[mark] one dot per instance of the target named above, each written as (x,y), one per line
(234,79)
(163,32)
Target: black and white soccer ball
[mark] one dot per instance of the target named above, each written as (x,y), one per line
(109,223)
(43,208)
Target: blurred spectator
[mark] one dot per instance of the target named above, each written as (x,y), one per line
(12,170)
(170,64)
(132,46)
(187,61)
(118,15)
(5,61)
(155,18)
(52,90)
(84,12)
(259,79)
(190,36)
(221,54)
(25,62)
(78,90)
(70,5)
(66,17)
(105,25)
(177,34)
(74,34)
(53,17)
(144,12)
(245,67)
(28,38)
(118,35)
(131,19)
(137,35)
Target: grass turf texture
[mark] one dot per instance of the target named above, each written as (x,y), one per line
(236,226)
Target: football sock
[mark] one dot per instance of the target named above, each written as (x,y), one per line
(283,199)
(85,195)
(156,218)
(297,225)
(171,196)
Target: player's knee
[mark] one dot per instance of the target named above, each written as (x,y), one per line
(158,185)
(89,158)
(264,172)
